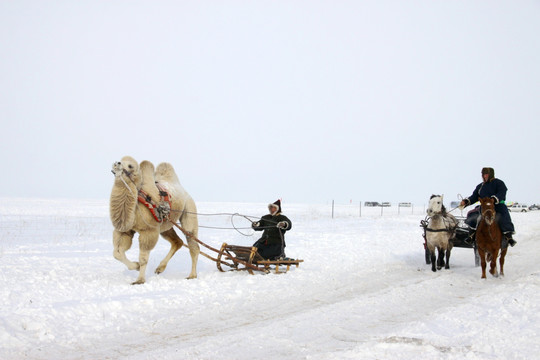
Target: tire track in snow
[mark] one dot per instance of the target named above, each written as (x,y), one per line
(368,296)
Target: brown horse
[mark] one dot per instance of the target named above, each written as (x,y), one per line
(488,238)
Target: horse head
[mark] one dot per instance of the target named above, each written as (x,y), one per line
(436,206)
(487,206)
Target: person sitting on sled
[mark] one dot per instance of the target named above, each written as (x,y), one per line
(274,225)
(496,189)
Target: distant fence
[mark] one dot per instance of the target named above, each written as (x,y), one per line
(360,209)
(43,229)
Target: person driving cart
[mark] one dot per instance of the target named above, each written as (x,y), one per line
(274,225)
(496,189)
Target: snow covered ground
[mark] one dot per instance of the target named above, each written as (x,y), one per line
(363,292)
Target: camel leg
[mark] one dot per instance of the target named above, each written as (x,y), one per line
(190,222)
(122,242)
(147,241)
(483,264)
(194,252)
(501,260)
(176,243)
(493,264)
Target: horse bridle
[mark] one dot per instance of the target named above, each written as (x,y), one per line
(489,219)
(129,176)
(489,215)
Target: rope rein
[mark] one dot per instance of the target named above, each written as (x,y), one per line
(457,207)
(125,183)
(232,215)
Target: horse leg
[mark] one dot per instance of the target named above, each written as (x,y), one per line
(501,260)
(121,243)
(482,255)
(440,259)
(147,241)
(433,258)
(447,266)
(493,263)
(176,243)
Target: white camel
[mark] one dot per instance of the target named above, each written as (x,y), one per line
(130,216)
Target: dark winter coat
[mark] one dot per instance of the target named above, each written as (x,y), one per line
(497,189)
(271,234)
(272,242)
(493,188)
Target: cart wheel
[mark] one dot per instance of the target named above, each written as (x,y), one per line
(428,256)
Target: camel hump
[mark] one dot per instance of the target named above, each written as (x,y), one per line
(146,167)
(165,172)
(147,172)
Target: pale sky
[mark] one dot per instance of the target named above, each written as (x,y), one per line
(251,101)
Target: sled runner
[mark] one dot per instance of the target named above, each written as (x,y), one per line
(247,258)
(462,238)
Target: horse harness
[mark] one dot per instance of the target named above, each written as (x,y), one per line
(161,210)
(425,223)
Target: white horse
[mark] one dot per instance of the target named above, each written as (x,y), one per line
(441,227)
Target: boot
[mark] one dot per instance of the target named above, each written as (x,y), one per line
(508,238)
(504,242)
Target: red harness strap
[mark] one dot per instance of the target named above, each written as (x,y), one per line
(164,194)
(146,200)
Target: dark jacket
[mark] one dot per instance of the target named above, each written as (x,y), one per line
(493,188)
(272,235)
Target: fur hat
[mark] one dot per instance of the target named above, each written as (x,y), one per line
(490,171)
(276,203)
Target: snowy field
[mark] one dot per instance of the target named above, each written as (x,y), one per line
(363,292)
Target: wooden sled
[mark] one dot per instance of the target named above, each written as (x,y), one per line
(241,257)
(277,263)
(247,258)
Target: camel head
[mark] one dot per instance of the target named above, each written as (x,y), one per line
(127,182)
(127,169)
